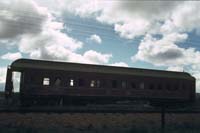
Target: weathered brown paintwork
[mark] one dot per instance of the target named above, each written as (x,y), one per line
(33,72)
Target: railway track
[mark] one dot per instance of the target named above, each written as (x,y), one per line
(92,109)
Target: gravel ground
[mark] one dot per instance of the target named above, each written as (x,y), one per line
(77,122)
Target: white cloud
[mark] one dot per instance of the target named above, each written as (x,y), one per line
(95,38)
(11,56)
(40,37)
(187,16)
(2,75)
(58,53)
(130,18)
(82,8)
(49,42)
(120,64)
(20,17)
(165,52)
(197,76)
(96,57)
(89,57)
(132,29)
(136,18)
(175,68)
(48,38)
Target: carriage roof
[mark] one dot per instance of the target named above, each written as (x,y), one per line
(21,64)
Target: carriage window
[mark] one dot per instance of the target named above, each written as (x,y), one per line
(92,83)
(133,85)
(114,83)
(123,84)
(95,83)
(151,86)
(46,81)
(168,86)
(175,87)
(81,82)
(141,85)
(98,83)
(159,87)
(71,83)
(57,82)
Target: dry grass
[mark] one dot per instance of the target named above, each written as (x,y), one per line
(75,122)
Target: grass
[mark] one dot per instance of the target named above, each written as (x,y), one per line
(98,123)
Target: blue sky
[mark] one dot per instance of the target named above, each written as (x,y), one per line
(144,34)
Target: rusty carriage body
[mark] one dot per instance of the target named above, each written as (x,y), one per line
(50,82)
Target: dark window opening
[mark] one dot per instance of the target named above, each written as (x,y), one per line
(124,84)
(175,87)
(81,82)
(133,85)
(159,87)
(98,83)
(142,85)
(36,80)
(114,83)
(57,82)
(168,86)
(151,87)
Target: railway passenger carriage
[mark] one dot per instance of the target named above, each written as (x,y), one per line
(49,82)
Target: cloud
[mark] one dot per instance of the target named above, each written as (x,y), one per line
(162,52)
(175,68)
(46,40)
(132,29)
(2,75)
(129,18)
(120,64)
(40,37)
(55,52)
(20,17)
(11,56)
(95,38)
(82,8)
(187,9)
(50,37)
(96,57)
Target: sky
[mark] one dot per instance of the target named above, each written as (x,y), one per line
(151,34)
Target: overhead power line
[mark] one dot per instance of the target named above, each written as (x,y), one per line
(35,20)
